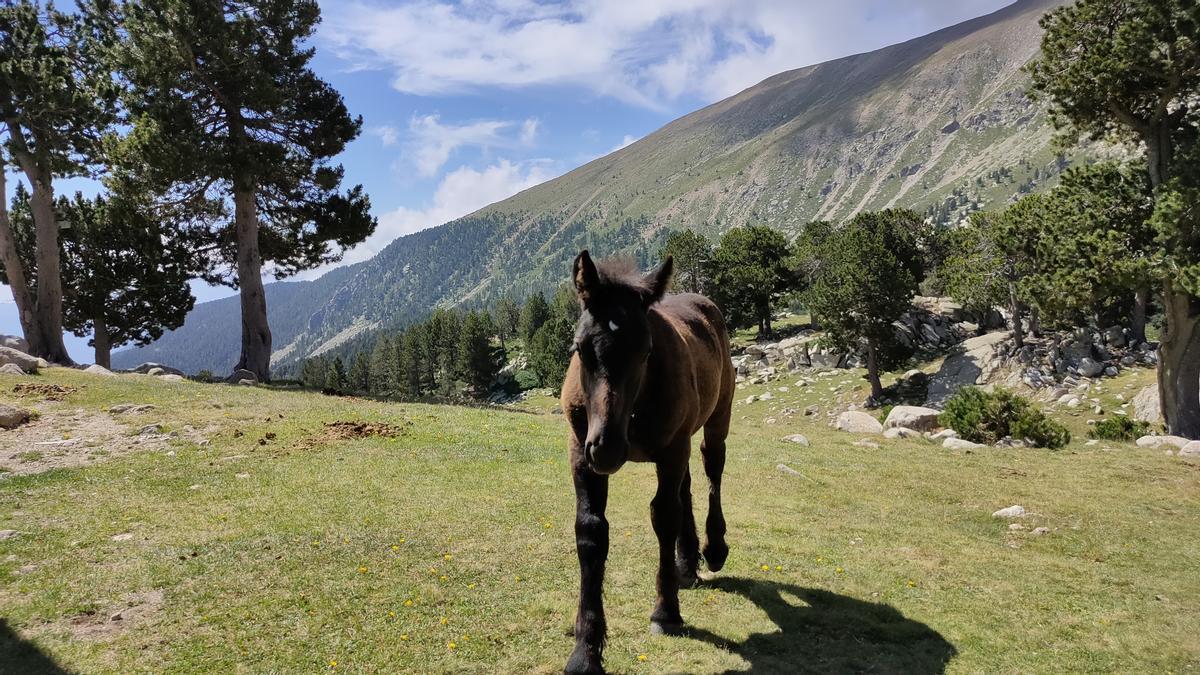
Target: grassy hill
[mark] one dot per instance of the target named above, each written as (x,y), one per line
(416,538)
(940,124)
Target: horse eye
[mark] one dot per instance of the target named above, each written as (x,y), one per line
(612,325)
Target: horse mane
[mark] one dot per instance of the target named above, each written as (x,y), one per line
(623,272)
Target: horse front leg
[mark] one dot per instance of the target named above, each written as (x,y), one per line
(665,513)
(591,543)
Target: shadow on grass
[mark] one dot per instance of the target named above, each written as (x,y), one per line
(822,632)
(20,656)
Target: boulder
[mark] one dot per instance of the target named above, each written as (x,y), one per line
(856,422)
(11,418)
(1088,367)
(1159,441)
(11,369)
(99,370)
(901,432)
(798,439)
(1145,405)
(240,375)
(981,357)
(22,360)
(912,417)
(960,444)
(172,377)
(1014,511)
(151,368)
(14,342)
(943,435)
(1191,450)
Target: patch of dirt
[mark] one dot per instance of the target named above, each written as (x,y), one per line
(61,438)
(339,431)
(46,392)
(345,431)
(107,624)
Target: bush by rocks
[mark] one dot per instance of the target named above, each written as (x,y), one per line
(1119,428)
(990,417)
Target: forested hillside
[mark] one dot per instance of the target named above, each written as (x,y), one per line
(940,124)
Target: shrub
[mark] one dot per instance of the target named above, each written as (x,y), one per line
(984,417)
(1119,428)
(205,376)
(884,412)
(527,379)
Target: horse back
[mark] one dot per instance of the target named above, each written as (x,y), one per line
(698,354)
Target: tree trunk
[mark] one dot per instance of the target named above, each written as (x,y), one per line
(101,341)
(1179,364)
(44,330)
(256,334)
(14,269)
(1035,322)
(1137,323)
(1014,309)
(873,371)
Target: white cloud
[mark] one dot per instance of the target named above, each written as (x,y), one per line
(625,142)
(432,142)
(529,130)
(460,192)
(646,52)
(388,135)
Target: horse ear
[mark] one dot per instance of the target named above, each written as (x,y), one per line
(586,277)
(659,281)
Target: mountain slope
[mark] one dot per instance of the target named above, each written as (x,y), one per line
(940,123)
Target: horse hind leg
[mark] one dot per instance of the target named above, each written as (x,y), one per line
(687,546)
(712,449)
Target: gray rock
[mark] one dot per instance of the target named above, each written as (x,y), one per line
(981,357)
(156,371)
(11,369)
(1145,405)
(798,439)
(1191,450)
(858,423)
(122,408)
(943,435)
(151,368)
(11,418)
(1039,531)
(1153,441)
(99,370)
(1015,511)
(24,361)
(1111,371)
(901,432)
(171,377)
(8,534)
(1089,368)
(864,443)
(912,417)
(784,468)
(247,382)
(150,429)
(242,374)
(14,342)
(960,444)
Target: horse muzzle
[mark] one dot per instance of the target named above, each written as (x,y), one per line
(606,456)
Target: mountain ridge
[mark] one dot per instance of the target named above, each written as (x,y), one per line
(939,123)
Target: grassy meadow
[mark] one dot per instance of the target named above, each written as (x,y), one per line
(424,538)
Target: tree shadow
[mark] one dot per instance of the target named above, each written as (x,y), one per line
(822,632)
(20,656)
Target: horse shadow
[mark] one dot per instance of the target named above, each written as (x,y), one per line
(822,632)
(20,656)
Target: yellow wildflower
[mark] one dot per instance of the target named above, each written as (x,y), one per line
(471,586)
(641,657)
(408,603)
(395,548)
(332,663)
(404,636)
(766,568)
(445,621)
(839,570)
(445,578)
(447,557)
(451,645)
(362,570)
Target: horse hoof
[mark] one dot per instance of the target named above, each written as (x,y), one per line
(715,555)
(666,627)
(583,664)
(688,580)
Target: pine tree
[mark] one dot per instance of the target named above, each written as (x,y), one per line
(57,99)
(750,273)
(692,254)
(535,313)
(359,379)
(225,104)
(335,376)
(507,317)
(478,364)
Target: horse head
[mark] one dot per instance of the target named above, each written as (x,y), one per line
(613,344)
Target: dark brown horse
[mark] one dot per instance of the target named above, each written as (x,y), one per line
(648,371)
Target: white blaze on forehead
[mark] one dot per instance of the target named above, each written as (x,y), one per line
(612,325)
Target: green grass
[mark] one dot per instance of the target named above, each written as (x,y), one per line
(293,554)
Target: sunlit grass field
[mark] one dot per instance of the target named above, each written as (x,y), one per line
(449,547)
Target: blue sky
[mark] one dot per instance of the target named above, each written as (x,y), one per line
(465,103)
